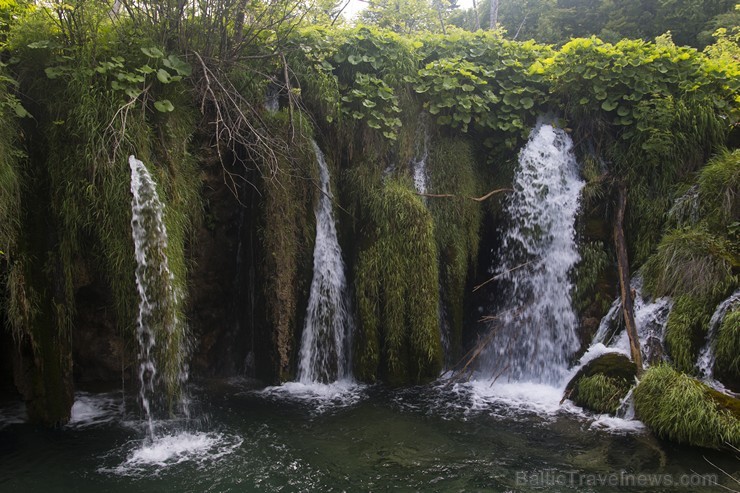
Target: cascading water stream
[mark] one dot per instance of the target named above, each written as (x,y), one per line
(325,344)
(651,317)
(536,333)
(162,346)
(706,359)
(419,163)
(157,321)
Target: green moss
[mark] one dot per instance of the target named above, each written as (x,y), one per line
(14,304)
(589,274)
(600,393)
(79,176)
(697,262)
(727,347)
(679,408)
(672,139)
(452,170)
(686,329)
(719,190)
(690,262)
(396,282)
(287,237)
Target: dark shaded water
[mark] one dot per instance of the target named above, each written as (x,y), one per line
(366,439)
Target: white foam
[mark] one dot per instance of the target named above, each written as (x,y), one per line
(520,400)
(153,456)
(616,425)
(94,409)
(323,397)
(13,414)
(530,397)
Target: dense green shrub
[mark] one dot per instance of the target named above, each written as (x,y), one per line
(690,262)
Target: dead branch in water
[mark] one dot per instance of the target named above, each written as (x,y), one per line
(623,269)
(476,350)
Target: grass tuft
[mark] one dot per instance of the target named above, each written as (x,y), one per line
(680,408)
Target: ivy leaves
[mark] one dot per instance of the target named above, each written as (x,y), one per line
(485,84)
(616,80)
(479,81)
(374,101)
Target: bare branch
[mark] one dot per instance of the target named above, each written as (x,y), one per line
(498,276)
(451,196)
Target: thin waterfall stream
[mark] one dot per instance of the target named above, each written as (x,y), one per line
(162,346)
(327,331)
(705,361)
(158,320)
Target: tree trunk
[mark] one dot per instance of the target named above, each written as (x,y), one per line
(441,17)
(493,20)
(620,246)
(477,17)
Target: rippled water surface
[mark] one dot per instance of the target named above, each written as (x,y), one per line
(465,437)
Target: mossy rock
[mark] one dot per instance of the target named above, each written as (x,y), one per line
(679,408)
(602,383)
(686,330)
(727,349)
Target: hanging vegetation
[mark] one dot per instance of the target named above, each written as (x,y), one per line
(398,335)
(287,237)
(452,170)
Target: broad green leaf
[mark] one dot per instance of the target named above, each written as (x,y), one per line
(20,111)
(152,52)
(164,76)
(609,105)
(164,106)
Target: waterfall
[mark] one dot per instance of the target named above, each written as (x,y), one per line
(272,99)
(536,333)
(651,317)
(705,361)
(159,330)
(325,344)
(419,163)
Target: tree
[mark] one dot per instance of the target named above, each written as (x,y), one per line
(408,16)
